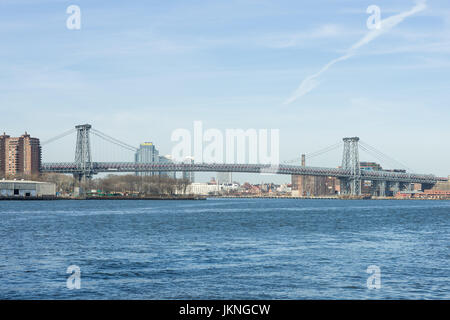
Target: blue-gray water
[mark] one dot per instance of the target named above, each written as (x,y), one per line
(225,249)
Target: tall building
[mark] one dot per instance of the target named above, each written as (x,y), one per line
(147,153)
(19,156)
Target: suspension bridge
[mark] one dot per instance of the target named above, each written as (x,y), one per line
(349,173)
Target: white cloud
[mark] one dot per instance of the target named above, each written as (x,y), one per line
(387,24)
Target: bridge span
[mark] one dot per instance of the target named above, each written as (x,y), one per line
(350,173)
(100,167)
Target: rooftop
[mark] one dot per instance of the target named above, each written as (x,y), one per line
(21,181)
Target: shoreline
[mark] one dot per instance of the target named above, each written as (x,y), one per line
(53,198)
(327,198)
(47,198)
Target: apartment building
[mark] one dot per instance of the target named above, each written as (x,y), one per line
(19,156)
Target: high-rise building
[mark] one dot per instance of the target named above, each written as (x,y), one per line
(147,153)
(19,156)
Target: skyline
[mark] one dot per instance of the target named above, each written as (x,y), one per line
(147,69)
(242,155)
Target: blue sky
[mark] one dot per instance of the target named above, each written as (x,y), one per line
(137,70)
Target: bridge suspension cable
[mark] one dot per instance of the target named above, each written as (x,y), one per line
(322,151)
(381,156)
(113,140)
(60,136)
(316,153)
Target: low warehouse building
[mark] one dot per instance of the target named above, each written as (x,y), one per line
(21,188)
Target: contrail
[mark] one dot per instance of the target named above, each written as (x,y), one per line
(387,24)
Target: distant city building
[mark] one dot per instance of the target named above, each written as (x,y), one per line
(284,189)
(426,194)
(367,185)
(307,186)
(442,185)
(370,166)
(210,189)
(20,156)
(147,153)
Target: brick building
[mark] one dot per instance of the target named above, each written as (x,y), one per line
(314,186)
(19,156)
(306,186)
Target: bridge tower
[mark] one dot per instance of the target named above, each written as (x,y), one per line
(350,161)
(83,158)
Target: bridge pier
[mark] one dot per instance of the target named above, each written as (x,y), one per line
(379,188)
(83,158)
(382,188)
(394,187)
(350,186)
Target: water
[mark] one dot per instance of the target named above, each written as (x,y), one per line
(225,249)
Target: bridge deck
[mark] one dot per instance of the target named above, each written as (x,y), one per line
(98,167)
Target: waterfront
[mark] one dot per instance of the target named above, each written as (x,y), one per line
(225,249)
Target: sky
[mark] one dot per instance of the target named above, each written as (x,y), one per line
(138,70)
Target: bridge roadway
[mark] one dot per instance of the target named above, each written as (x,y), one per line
(111,167)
